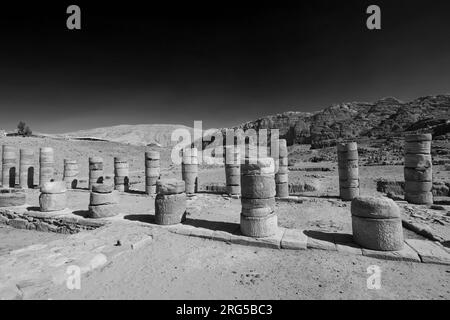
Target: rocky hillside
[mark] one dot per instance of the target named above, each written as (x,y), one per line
(141,134)
(385,118)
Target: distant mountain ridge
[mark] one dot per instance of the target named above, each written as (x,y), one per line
(139,134)
(387,117)
(384,118)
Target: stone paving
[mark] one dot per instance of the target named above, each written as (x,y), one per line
(293,239)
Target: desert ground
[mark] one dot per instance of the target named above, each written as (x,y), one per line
(174,266)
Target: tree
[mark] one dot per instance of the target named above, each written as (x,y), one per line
(23,129)
(28,131)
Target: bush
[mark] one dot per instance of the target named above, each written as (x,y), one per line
(23,129)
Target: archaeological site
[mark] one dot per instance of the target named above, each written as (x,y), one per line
(264,154)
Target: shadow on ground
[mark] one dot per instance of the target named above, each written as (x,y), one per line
(147,218)
(81,213)
(213,225)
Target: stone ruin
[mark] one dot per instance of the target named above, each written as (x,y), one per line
(257,181)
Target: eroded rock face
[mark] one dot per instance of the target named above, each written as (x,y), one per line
(384,118)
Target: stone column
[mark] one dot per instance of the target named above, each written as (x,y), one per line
(70,175)
(348,168)
(95,171)
(152,171)
(418,169)
(376,223)
(121,174)
(46,165)
(258,218)
(189,169)
(9,167)
(26,169)
(53,196)
(232,170)
(281,170)
(103,202)
(170,202)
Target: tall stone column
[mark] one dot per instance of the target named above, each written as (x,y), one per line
(418,169)
(9,167)
(281,170)
(26,168)
(189,169)
(95,171)
(258,217)
(152,171)
(70,175)
(348,168)
(46,165)
(232,170)
(121,174)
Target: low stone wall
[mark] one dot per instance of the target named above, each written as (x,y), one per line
(299,188)
(222,188)
(219,188)
(440,189)
(21,218)
(309,169)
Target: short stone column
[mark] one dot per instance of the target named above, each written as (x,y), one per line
(53,196)
(232,170)
(46,165)
(70,173)
(281,170)
(376,223)
(170,202)
(418,171)
(121,174)
(189,169)
(26,168)
(348,169)
(95,171)
(9,167)
(258,217)
(103,202)
(152,171)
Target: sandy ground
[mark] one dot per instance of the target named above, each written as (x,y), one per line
(177,267)
(174,266)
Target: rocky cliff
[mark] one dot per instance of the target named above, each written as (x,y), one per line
(385,118)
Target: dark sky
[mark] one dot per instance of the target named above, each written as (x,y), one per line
(222,62)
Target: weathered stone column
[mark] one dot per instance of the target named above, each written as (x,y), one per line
(281,170)
(348,169)
(53,196)
(95,171)
(418,169)
(104,201)
(70,175)
(258,218)
(9,167)
(189,169)
(232,170)
(152,171)
(26,168)
(121,174)
(170,202)
(46,165)
(376,223)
